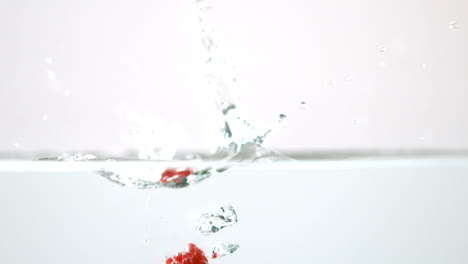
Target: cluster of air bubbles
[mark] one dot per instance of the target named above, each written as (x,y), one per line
(332,82)
(210,223)
(348,77)
(224,249)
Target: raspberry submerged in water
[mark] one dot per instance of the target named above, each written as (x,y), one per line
(193,255)
(176,175)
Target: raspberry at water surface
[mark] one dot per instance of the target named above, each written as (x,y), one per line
(175,174)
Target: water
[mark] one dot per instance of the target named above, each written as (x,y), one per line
(349,211)
(358,211)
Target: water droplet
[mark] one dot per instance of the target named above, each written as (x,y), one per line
(16,145)
(382,49)
(66,93)
(45,117)
(424,66)
(303,105)
(210,223)
(348,77)
(50,75)
(453,25)
(332,82)
(283,120)
(48,60)
(208,42)
(224,249)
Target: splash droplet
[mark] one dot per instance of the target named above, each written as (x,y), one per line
(453,25)
(45,117)
(303,105)
(208,42)
(66,93)
(48,60)
(16,145)
(283,120)
(51,75)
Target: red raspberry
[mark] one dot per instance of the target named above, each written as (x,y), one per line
(175,174)
(193,255)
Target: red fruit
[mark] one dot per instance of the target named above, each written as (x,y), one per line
(193,255)
(175,174)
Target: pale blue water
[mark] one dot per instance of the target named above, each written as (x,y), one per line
(356,211)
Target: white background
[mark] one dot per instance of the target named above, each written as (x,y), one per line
(112,57)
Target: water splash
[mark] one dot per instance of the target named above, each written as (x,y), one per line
(71,158)
(240,141)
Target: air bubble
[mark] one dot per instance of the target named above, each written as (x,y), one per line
(348,77)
